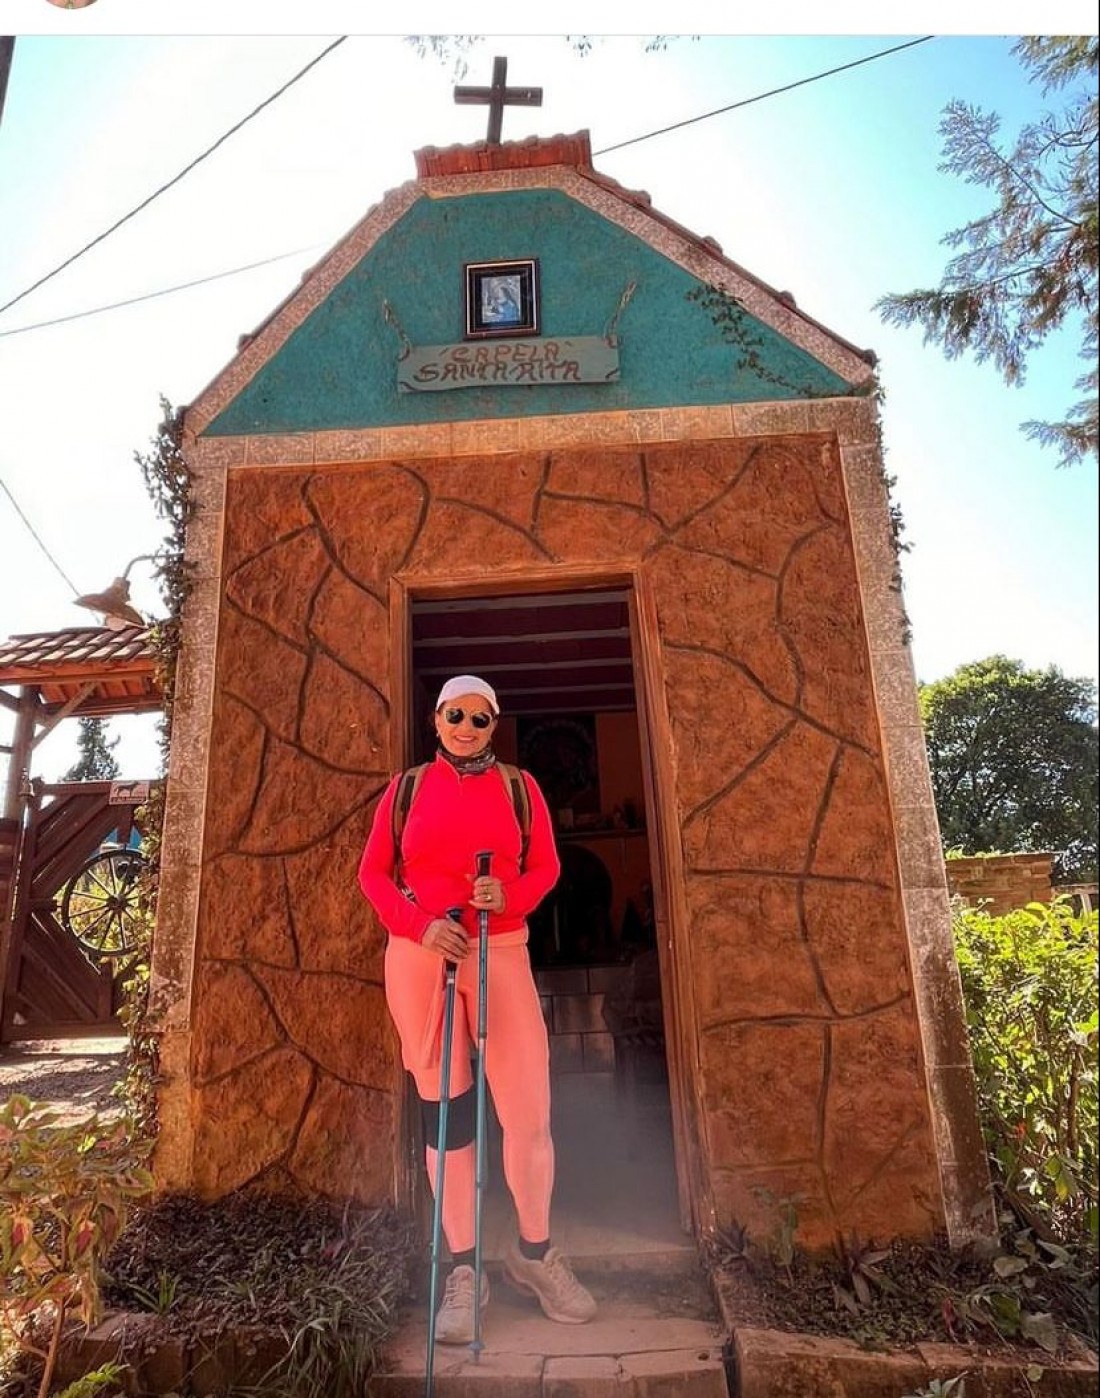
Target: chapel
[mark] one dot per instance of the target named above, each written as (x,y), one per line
(521,424)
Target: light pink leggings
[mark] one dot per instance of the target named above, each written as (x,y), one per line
(517,1068)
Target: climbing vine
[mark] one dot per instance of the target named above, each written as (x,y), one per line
(742,330)
(168,481)
(897,522)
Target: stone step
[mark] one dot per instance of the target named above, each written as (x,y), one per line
(655,1334)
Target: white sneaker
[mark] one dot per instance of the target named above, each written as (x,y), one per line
(559,1293)
(454,1321)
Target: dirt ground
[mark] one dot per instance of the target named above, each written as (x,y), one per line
(75,1076)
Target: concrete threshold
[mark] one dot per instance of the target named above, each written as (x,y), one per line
(633,1349)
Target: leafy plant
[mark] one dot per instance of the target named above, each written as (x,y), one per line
(107,1376)
(863,1274)
(161,1299)
(1034,1278)
(1030,986)
(136,1089)
(780,1242)
(942,1388)
(168,481)
(66,1191)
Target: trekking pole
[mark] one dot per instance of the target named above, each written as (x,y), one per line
(484,859)
(440,1157)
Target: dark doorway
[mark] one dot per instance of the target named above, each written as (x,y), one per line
(562,666)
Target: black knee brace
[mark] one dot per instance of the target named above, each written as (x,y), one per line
(461,1120)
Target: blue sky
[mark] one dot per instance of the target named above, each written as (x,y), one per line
(830,191)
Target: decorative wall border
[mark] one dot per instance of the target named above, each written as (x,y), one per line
(964,1172)
(173,959)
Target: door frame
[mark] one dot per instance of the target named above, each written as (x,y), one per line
(665,852)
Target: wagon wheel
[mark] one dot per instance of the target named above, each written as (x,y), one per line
(100,904)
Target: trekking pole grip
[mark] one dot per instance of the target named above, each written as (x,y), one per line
(484,859)
(453,915)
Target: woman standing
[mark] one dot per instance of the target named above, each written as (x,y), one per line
(462,805)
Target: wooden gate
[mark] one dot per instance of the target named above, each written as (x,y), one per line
(52,987)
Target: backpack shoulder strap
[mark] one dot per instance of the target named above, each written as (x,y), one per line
(407,787)
(521,800)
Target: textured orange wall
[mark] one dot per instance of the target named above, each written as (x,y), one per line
(811,1080)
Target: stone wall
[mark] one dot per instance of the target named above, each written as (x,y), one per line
(804,1042)
(1001,882)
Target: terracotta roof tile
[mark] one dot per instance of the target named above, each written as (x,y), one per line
(75,645)
(509,155)
(98,670)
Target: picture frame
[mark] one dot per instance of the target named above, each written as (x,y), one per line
(502,298)
(560,752)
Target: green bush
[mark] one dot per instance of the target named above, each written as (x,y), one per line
(1030,985)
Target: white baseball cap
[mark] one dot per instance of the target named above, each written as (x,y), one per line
(467,684)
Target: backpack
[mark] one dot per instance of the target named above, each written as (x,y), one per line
(512,777)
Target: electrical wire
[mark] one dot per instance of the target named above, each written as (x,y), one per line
(760,96)
(35,536)
(176,179)
(152,295)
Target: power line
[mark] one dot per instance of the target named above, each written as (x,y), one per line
(151,295)
(37,540)
(775,91)
(176,179)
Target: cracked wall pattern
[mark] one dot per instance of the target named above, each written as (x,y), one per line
(811,1085)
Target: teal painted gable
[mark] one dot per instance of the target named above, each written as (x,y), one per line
(339,367)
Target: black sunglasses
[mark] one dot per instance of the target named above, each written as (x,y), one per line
(455,716)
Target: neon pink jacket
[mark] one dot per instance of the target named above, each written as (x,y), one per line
(451,819)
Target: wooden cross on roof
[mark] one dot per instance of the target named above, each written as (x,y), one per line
(498,96)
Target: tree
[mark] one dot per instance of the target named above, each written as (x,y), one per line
(1030,264)
(96,762)
(1014,759)
(455,50)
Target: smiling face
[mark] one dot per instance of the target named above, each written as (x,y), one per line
(465,725)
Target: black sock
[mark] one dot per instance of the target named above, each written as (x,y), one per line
(534,1252)
(463,1259)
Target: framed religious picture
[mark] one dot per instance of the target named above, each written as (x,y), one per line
(502,298)
(560,753)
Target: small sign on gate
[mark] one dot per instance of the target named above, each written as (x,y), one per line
(128,793)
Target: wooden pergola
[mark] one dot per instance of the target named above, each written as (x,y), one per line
(47,676)
(82,671)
